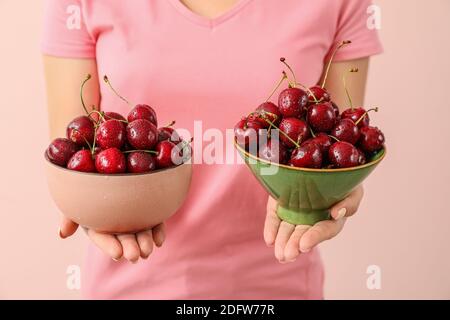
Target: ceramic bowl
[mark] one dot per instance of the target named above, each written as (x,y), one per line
(306,195)
(124,203)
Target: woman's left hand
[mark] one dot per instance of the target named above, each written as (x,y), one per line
(290,240)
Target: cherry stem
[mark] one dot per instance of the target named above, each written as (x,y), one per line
(264,113)
(284,133)
(283,78)
(342,44)
(344,80)
(111,118)
(365,114)
(95,140)
(88,77)
(333,137)
(170,124)
(87,142)
(101,114)
(106,80)
(310,92)
(283,60)
(312,132)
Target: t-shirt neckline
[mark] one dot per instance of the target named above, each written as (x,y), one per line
(205,21)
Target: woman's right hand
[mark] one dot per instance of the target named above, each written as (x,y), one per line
(128,246)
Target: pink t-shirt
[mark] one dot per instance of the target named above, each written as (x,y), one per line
(190,68)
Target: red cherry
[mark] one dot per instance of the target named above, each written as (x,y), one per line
(248,132)
(82,161)
(319,93)
(296,129)
(275,152)
(127,147)
(168,133)
(61,150)
(346,130)
(143,111)
(142,134)
(111,134)
(111,161)
(344,155)
(372,139)
(81,131)
(322,140)
(362,158)
(292,102)
(140,162)
(269,110)
(336,110)
(307,156)
(355,114)
(166,153)
(114,116)
(321,117)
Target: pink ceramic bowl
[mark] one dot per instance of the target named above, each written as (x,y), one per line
(118,203)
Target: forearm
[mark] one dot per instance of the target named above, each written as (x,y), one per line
(356,82)
(63,79)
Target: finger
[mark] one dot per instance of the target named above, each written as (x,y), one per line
(67,228)
(145,242)
(130,247)
(321,231)
(159,234)
(272,223)
(284,233)
(348,206)
(108,243)
(292,250)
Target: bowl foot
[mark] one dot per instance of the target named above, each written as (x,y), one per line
(302,217)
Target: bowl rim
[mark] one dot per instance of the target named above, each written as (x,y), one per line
(366,165)
(96,174)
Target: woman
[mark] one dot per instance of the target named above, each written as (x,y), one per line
(208,61)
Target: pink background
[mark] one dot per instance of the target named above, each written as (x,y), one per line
(403,224)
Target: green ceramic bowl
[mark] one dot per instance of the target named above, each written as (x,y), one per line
(306,195)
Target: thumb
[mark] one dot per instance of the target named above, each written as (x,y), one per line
(67,228)
(348,206)
(159,234)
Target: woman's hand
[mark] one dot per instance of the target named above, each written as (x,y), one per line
(290,240)
(128,246)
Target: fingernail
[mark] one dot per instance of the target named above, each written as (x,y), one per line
(116,260)
(60,234)
(161,241)
(306,250)
(341,213)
